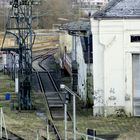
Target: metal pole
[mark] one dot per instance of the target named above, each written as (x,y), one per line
(65,120)
(1,123)
(37,19)
(74,118)
(30,51)
(2,115)
(37,133)
(4,16)
(48,136)
(86,137)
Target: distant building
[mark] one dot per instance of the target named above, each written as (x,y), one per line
(89,6)
(90,3)
(93,2)
(116,67)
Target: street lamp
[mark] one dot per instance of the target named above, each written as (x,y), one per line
(64,87)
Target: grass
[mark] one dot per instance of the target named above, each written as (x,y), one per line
(124,127)
(6,84)
(25,124)
(127,128)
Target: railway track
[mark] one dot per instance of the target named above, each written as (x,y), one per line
(52,126)
(47,86)
(54,97)
(11,136)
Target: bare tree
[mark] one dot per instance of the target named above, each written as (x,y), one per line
(50,10)
(46,14)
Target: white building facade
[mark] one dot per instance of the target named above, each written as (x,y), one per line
(81,58)
(116,67)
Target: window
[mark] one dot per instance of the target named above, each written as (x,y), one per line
(135,38)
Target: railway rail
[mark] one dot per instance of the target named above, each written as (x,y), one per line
(47,86)
(11,136)
(49,121)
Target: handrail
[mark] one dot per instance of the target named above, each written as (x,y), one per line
(86,136)
(67,60)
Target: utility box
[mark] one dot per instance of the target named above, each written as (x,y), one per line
(7,96)
(91,132)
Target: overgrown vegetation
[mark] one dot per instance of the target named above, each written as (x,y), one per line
(46,14)
(124,128)
(50,11)
(25,123)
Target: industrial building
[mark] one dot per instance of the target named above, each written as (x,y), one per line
(116,42)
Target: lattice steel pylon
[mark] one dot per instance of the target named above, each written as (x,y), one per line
(20,26)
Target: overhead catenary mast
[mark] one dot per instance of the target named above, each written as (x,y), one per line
(19,25)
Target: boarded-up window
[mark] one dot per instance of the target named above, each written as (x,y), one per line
(135,38)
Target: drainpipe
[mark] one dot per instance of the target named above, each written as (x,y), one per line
(103,46)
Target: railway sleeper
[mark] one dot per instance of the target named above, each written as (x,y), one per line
(53,98)
(53,105)
(54,101)
(58,114)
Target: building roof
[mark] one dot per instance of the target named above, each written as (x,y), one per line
(120,9)
(76,26)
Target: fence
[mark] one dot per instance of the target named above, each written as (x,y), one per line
(83,136)
(88,137)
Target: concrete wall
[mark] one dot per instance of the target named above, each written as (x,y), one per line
(71,42)
(112,68)
(82,69)
(4,59)
(65,40)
